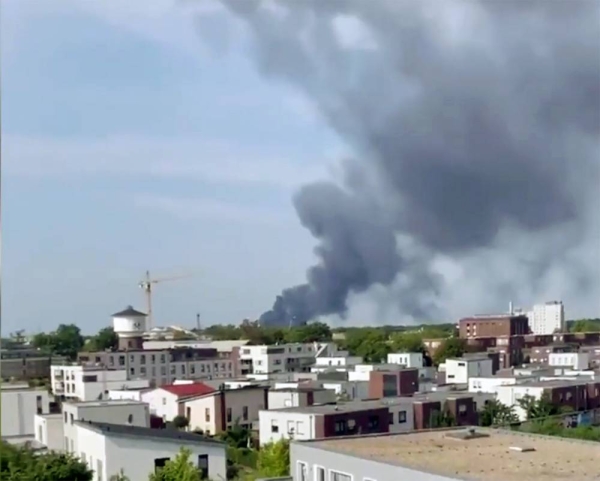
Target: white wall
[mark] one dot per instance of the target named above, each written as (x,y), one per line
(136,456)
(509,395)
(575,360)
(408,359)
(489,384)
(19,407)
(353,389)
(135,395)
(547,318)
(402,423)
(162,403)
(49,431)
(282,422)
(458,371)
(199,408)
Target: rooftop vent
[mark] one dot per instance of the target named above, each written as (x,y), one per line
(521,449)
(467,434)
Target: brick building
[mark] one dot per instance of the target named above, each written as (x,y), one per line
(404,382)
(493,326)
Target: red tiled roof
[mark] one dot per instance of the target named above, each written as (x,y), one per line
(186,390)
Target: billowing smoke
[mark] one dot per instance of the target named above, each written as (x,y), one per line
(465,117)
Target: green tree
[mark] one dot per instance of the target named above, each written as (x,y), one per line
(314,332)
(106,339)
(407,342)
(494,413)
(179,469)
(181,422)
(274,459)
(451,347)
(537,408)
(369,343)
(65,341)
(236,437)
(220,332)
(22,464)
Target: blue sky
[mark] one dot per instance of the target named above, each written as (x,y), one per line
(132,142)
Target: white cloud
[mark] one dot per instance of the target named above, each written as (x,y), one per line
(177,158)
(352,33)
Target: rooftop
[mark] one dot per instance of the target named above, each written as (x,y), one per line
(108,402)
(171,435)
(346,407)
(486,458)
(188,390)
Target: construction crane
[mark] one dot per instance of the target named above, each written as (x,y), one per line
(147,284)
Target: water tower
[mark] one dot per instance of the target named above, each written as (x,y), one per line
(130,326)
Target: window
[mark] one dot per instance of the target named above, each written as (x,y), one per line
(164,401)
(66,418)
(337,476)
(153,358)
(203,466)
(159,463)
(89,378)
(132,371)
(207,415)
(163,370)
(40,434)
(82,456)
(402,417)
(245,413)
(373,422)
(229,415)
(143,359)
(173,369)
(111,361)
(302,471)
(188,412)
(130,419)
(340,426)
(201,367)
(216,368)
(274,426)
(390,385)
(143,371)
(71,419)
(131,358)
(153,371)
(299,428)
(319,473)
(193,369)
(121,360)
(462,410)
(66,442)
(183,369)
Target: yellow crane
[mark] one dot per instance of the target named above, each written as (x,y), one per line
(147,284)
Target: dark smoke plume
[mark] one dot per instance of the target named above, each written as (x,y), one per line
(469,115)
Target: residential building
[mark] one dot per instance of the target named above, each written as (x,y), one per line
(406,359)
(576,395)
(489,384)
(341,362)
(300,396)
(362,372)
(283,358)
(454,454)
(541,354)
(344,419)
(349,390)
(459,370)
(400,382)
(493,326)
(90,382)
(131,394)
(20,404)
(164,401)
(547,318)
(125,412)
(432,409)
(140,451)
(220,410)
(26,364)
(574,360)
(49,431)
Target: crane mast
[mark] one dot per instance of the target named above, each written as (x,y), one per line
(147,285)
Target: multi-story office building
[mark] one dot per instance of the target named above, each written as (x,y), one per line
(547,318)
(493,326)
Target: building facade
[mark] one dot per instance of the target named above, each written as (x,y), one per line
(547,318)
(26,364)
(493,326)
(20,404)
(459,370)
(406,359)
(90,382)
(282,358)
(140,451)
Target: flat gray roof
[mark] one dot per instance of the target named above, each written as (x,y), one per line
(487,458)
(345,407)
(108,402)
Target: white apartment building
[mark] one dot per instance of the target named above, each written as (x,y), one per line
(339,363)
(547,318)
(283,358)
(362,372)
(509,395)
(49,431)
(165,401)
(314,422)
(20,404)
(90,383)
(489,384)
(125,412)
(574,360)
(459,370)
(139,451)
(406,359)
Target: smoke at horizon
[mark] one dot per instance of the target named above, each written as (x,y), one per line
(465,118)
